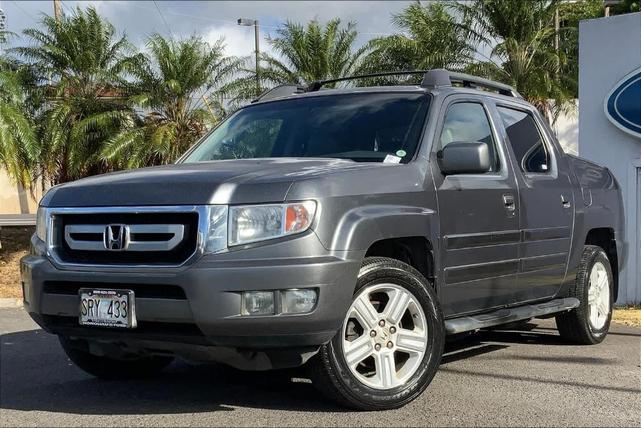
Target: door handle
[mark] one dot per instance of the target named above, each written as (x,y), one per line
(565,202)
(508,201)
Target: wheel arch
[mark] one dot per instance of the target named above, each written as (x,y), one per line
(416,251)
(359,228)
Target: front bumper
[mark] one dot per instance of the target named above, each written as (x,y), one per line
(207,311)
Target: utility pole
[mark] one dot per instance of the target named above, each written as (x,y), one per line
(557,29)
(254,23)
(211,112)
(608,6)
(3,27)
(57,10)
(256,39)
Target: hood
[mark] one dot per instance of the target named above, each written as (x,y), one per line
(216,182)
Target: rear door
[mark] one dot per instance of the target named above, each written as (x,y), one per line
(479,215)
(546,202)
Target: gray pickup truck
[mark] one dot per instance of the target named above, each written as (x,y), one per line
(350,230)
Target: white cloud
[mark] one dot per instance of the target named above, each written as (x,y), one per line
(238,41)
(139,19)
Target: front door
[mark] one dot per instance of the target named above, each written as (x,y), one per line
(479,216)
(546,201)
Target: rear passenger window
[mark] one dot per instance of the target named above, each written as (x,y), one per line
(468,123)
(526,140)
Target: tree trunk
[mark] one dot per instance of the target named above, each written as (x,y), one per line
(23,199)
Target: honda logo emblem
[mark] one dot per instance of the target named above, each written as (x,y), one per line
(116,237)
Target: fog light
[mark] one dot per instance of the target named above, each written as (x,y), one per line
(258,303)
(298,301)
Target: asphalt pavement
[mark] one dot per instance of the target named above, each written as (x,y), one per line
(522,378)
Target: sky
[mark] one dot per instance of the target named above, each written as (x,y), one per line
(213,19)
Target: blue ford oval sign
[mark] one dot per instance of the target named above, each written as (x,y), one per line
(623,104)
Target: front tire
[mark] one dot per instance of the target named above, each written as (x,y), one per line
(111,368)
(589,323)
(390,344)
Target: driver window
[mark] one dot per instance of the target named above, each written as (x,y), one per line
(468,122)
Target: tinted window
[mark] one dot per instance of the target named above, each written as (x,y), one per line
(468,123)
(361,127)
(525,139)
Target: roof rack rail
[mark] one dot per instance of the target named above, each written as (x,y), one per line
(280,91)
(438,78)
(318,84)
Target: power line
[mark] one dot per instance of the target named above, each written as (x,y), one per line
(67,8)
(223,20)
(200,17)
(230,21)
(163,19)
(20,8)
(234,21)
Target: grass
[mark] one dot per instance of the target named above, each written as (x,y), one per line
(15,244)
(629,316)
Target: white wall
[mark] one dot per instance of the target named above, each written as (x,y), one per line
(609,49)
(10,202)
(566,128)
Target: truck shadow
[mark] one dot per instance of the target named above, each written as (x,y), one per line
(610,333)
(487,341)
(36,375)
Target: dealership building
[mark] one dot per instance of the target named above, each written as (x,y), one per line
(610,122)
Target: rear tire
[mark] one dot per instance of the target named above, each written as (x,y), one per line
(589,323)
(390,344)
(111,368)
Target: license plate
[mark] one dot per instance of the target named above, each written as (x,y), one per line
(107,308)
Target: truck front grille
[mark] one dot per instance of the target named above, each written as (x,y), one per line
(127,238)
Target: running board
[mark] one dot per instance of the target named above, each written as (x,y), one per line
(508,315)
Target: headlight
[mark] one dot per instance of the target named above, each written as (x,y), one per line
(41,224)
(251,223)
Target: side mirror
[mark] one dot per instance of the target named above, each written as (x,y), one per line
(465,158)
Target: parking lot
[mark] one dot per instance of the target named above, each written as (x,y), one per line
(491,378)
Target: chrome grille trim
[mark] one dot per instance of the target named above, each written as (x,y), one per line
(51,214)
(130,244)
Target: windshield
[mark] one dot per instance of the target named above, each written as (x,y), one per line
(365,127)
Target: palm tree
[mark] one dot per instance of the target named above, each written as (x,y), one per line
(429,37)
(81,64)
(627,6)
(18,142)
(305,54)
(18,103)
(520,36)
(570,13)
(170,83)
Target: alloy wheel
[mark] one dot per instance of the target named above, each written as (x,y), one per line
(598,296)
(384,336)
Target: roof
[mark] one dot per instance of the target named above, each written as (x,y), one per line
(432,79)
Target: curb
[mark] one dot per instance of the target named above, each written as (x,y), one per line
(10,303)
